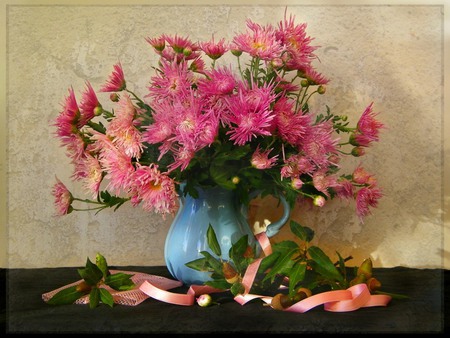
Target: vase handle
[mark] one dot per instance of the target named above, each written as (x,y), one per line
(273,228)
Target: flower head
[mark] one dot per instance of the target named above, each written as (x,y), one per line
(63,198)
(116,81)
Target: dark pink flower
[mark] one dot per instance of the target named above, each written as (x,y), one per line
(63,198)
(116,81)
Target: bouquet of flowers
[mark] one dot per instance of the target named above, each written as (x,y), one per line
(200,123)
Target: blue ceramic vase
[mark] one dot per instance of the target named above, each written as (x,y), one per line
(187,235)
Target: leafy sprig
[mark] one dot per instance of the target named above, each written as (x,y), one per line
(297,266)
(93,277)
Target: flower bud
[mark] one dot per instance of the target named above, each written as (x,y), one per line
(321,90)
(358,151)
(360,279)
(98,111)
(83,287)
(304,83)
(319,201)
(204,300)
(352,140)
(114,97)
(296,183)
(373,284)
(235,179)
(230,274)
(236,52)
(365,268)
(281,301)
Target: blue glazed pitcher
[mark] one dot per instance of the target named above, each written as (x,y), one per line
(187,235)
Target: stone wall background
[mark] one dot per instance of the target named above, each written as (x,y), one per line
(391,55)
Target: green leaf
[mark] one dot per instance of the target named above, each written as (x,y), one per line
(213,262)
(237,251)
(212,241)
(285,246)
(323,265)
(66,296)
(101,263)
(120,281)
(282,266)
(94,298)
(200,264)
(304,233)
(237,289)
(106,297)
(268,261)
(91,273)
(296,275)
(218,284)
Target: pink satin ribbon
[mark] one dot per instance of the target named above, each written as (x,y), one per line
(355,297)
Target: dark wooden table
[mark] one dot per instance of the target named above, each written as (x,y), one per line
(24,311)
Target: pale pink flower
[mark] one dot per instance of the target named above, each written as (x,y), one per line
(116,81)
(89,170)
(63,198)
(344,189)
(318,143)
(174,80)
(156,191)
(122,128)
(260,159)
(323,181)
(361,176)
(295,165)
(296,183)
(299,52)
(259,41)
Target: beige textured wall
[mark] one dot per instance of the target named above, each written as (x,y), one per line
(391,55)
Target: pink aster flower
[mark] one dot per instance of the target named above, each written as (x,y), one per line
(122,128)
(214,49)
(323,181)
(89,104)
(173,80)
(365,198)
(298,44)
(259,41)
(68,119)
(260,159)
(291,126)
(219,81)
(182,46)
(89,170)
(318,143)
(155,190)
(361,176)
(344,189)
(158,43)
(116,81)
(368,128)
(63,198)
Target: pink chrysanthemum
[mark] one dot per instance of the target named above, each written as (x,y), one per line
(259,41)
(156,191)
(323,181)
(122,128)
(182,46)
(68,119)
(344,189)
(368,128)
(361,176)
(318,143)
(365,198)
(89,104)
(293,36)
(116,81)
(214,49)
(291,126)
(89,170)
(174,80)
(219,81)
(63,198)
(260,159)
